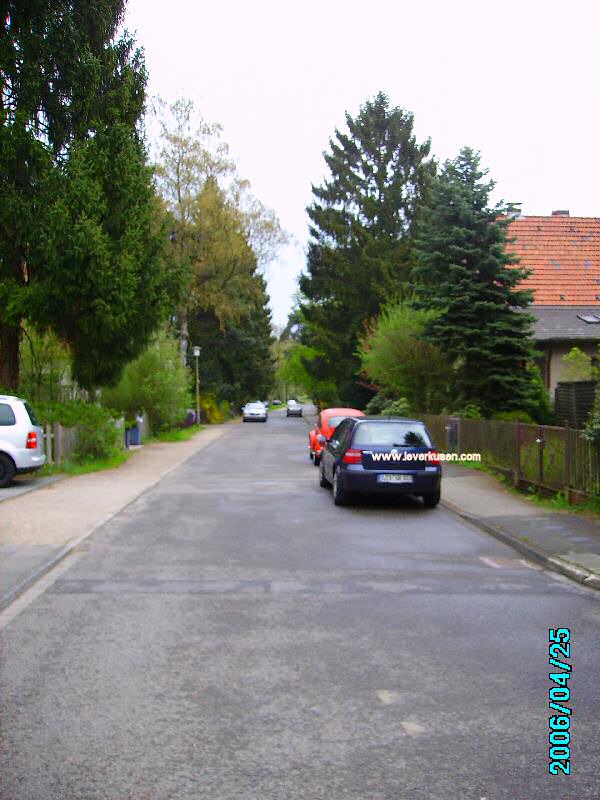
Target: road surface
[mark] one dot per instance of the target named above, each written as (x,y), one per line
(232,634)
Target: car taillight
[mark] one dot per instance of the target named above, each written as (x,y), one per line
(31,441)
(352,456)
(432,457)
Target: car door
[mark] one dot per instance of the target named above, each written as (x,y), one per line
(335,447)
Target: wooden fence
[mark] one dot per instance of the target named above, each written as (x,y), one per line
(549,458)
(60,443)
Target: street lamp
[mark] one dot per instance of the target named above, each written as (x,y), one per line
(196,352)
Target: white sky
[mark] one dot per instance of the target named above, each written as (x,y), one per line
(517,81)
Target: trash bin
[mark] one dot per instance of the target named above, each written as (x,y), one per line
(134,435)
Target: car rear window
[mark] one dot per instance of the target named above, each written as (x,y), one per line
(7,416)
(391,434)
(333,422)
(32,416)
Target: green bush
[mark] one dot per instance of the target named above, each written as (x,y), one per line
(156,383)
(396,408)
(513,416)
(98,437)
(379,405)
(375,405)
(591,430)
(470,411)
(45,367)
(577,366)
(326,395)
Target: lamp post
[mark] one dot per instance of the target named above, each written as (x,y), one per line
(196,352)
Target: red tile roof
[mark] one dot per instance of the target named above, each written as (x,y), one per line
(563,254)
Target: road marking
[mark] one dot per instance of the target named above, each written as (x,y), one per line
(529,565)
(490,562)
(413,728)
(386,697)
(508,563)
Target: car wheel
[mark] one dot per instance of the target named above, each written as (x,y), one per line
(431,500)
(323,482)
(7,470)
(340,496)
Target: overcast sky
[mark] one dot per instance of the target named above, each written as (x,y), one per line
(519,82)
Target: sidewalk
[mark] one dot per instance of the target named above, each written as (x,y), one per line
(39,528)
(564,542)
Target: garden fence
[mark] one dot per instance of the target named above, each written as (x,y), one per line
(546,457)
(60,443)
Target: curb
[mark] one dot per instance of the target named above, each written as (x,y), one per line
(573,571)
(7,599)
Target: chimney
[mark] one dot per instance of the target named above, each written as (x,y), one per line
(561,213)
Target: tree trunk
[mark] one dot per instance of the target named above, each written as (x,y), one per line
(10,336)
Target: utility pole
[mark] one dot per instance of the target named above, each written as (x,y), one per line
(196,352)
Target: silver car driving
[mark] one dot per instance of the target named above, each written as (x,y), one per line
(255,412)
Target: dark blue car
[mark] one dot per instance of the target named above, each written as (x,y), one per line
(388,455)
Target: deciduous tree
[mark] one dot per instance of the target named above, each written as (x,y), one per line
(220,232)
(395,356)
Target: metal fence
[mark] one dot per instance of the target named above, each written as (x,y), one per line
(550,458)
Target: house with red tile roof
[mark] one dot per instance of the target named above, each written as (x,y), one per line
(562,254)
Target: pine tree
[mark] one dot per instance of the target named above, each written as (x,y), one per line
(466,272)
(362,221)
(80,249)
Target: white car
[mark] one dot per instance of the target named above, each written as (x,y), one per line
(21,439)
(255,412)
(294,409)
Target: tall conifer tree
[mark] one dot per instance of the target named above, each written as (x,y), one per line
(467,273)
(80,249)
(362,221)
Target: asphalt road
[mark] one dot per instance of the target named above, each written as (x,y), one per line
(232,634)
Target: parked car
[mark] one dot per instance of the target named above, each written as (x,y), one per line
(327,422)
(276,402)
(293,409)
(373,455)
(255,412)
(21,439)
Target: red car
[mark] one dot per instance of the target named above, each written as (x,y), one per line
(327,422)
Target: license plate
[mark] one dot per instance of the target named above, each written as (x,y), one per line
(395,478)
